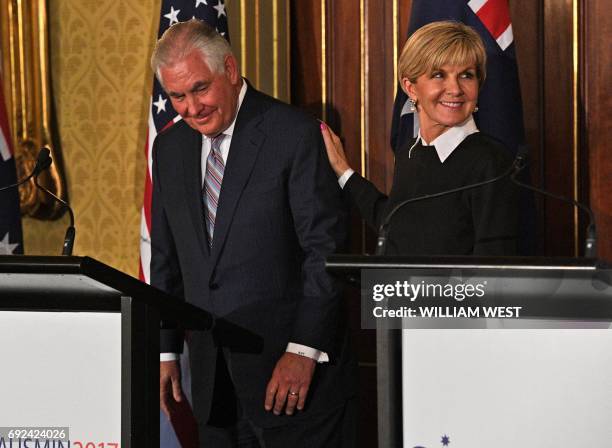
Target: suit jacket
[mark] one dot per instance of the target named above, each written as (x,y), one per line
(278,218)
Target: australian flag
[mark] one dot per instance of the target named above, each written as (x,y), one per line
(161,113)
(10,218)
(500,113)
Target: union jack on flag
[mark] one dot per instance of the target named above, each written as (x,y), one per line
(495,16)
(161,113)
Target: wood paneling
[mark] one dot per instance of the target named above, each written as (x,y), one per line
(557,163)
(306,55)
(259,33)
(596,107)
(355,84)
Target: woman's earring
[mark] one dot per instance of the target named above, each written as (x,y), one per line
(476,109)
(413,104)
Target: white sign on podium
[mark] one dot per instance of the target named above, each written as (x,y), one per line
(62,369)
(507,388)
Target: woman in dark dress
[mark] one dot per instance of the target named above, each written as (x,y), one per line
(441,69)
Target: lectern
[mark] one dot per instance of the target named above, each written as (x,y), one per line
(80,340)
(479,384)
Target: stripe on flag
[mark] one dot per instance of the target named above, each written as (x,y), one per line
(5,149)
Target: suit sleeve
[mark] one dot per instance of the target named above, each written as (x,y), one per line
(367,198)
(494,210)
(316,207)
(165,269)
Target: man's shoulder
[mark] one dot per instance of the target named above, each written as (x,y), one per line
(173,139)
(177,129)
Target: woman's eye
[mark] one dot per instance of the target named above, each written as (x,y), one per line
(436,75)
(468,75)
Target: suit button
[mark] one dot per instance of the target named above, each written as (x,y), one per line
(213,286)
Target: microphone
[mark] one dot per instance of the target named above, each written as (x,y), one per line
(44,161)
(381,242)
(590,247)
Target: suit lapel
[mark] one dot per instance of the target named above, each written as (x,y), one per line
(192,159)
(247,140)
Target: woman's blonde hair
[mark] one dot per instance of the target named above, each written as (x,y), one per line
(442,43)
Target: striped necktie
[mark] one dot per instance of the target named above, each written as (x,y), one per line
(212,184)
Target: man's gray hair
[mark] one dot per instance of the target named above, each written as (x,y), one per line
(182,38)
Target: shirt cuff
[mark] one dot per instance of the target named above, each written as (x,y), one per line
(168,357)
(342,180)
(309,352)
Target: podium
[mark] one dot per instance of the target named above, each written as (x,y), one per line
(420,365)
(77,306)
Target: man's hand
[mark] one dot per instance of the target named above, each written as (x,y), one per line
(170,390)
(289,383)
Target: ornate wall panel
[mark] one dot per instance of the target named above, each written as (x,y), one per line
(101,84)
(26,78)
(596,110)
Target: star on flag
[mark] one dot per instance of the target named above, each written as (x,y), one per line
(160,104)
(172,15)
(6,248)
(220,7)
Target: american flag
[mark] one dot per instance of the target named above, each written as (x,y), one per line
(10,218)
(500,111)
(161,113)
(182,430)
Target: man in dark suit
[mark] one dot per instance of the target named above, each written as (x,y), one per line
(245,210)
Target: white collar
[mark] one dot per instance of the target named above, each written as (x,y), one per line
(448,141)
(229,131)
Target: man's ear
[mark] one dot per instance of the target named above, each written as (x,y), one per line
(231,69)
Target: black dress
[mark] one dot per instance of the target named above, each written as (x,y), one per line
(480,221)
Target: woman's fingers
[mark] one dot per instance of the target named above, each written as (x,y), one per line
(335,150)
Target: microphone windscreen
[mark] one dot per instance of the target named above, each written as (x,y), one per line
(43,161)
(522,156)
